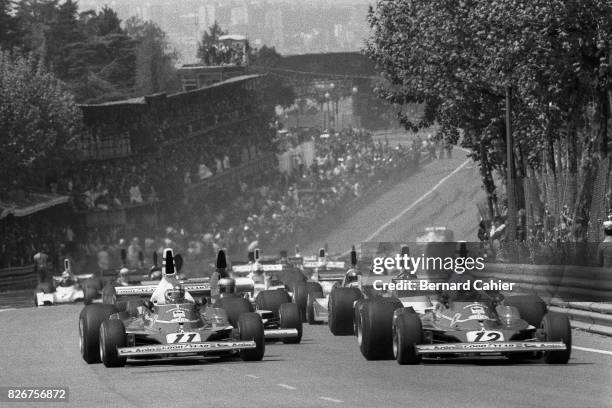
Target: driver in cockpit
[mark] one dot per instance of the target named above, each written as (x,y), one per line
(67,278)
(169,282)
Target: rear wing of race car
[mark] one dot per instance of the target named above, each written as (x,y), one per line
(248,268)
(327,264)
(197,287)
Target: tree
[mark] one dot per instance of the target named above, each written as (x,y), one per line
(457,57)
(63,31)
(207,48)
(38,120)
(155,58)
(266,57)
(9,30)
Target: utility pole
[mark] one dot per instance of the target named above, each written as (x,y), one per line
(510,176)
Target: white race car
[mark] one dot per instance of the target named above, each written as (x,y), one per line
(67,288)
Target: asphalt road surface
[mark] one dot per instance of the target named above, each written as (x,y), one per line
(40,348)
(443,193)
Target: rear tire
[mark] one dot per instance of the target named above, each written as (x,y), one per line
(90,319)
(290,319)
(251,327)
(112,336)
(375,335)
(300,296)
(407,333)
(556,327)
(272,300)
(530,307)
(340,309)
(235,307)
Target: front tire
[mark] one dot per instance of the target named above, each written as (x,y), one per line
(112,336)
(290,319)
(90,319)
(375,332)
(251,327)
(556,327)
(340,309)
(407,333)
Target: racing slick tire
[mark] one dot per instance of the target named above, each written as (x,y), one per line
(271,300)
(112,336)
(407,333)
(300,296)
(90,319)
(374,328)
(235,307)
(556,327)
(250,327)
(530,307)
(340,309)
(290,319)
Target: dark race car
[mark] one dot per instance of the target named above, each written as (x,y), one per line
(517,327)
(171,323)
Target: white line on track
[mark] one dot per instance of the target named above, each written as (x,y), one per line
(330,399)
(411,206)
(6,310)
(592,350)
(287,387)
(251,376)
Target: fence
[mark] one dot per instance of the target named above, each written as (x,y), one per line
(18,278)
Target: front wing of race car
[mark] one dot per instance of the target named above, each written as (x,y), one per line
(184,348)
(490,347)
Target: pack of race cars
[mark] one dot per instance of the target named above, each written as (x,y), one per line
(235,311)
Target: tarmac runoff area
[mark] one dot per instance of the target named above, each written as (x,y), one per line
(425,285)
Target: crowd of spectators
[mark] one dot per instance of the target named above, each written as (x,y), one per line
(265,207)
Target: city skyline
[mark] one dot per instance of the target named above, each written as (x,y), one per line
(292,27)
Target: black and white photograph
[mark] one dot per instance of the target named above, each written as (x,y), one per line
(306,203)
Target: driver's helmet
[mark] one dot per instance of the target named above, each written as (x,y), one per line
(155,273)
(176,294)
(351,276)
(227,286)
(66,279)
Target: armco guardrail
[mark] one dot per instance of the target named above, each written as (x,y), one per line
(18,278)
(580,292)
